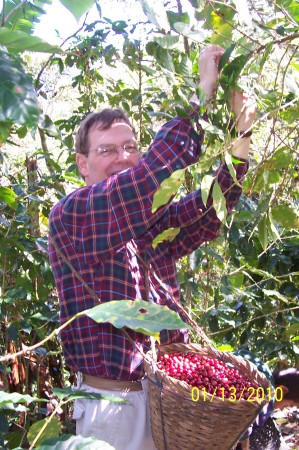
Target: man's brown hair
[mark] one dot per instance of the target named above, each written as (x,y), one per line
(104,119)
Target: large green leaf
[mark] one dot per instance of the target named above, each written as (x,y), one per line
(18,102)
(168,189)
(156,14)
(141,316)
(69,442)
(20,41)
(77,7)
(52,430)
(22,16)
(7,398)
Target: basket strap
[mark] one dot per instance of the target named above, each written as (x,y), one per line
(183,313)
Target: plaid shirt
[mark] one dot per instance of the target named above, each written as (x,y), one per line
(99,229)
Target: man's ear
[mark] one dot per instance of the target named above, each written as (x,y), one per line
(82,164)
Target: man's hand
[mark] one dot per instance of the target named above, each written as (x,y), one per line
(244,108)
(208,69)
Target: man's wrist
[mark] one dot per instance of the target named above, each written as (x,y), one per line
(244,133)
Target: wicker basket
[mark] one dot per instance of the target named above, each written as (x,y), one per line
(180,423)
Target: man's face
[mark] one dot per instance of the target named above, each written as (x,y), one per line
(96,167)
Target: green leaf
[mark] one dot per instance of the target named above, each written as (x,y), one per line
(18,101)
(231,71)
(8,196)
(23,17)
(263,233)
(168,189)
(237,279)
(225,348)
(70,394)
(271,293)
(14,397)
(167,235)
(164,58)
(5,129)
(272,230)
(223,33)
(175,18)
(225,57)
(168,41)
(285,216)
(156,14)
(280,160)
(77,7)
(293,8)
(219,203)
(292,330)
(20,41)
(206,184)
(143,317)
(52,430)
(229,162)
(70,442)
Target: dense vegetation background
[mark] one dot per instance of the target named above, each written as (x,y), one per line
(242,289)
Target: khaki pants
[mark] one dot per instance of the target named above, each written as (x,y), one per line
(125,426)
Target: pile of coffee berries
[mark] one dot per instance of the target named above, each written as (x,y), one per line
(208,374)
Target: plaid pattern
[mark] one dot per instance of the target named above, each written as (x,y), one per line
(99,228)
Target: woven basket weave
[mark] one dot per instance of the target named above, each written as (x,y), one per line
(180,423)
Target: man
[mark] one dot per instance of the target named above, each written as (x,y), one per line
(105,230)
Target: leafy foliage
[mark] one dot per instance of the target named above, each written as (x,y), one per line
(242,288)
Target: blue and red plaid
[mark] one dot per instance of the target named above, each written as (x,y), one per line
(99,229)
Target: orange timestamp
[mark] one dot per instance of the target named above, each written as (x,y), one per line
(250,394)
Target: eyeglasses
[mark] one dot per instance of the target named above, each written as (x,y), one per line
(111,150)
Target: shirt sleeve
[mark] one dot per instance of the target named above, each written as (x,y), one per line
(101,218)
(199,223)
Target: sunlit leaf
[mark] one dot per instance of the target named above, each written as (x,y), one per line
(144,317)
(7,195)
(272,230)
(167,235)
(168,189)
(271,293)
(156,14)
(206,184)
(14,397)
(20,41)
(77,7)
(229,162)
(219,203)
